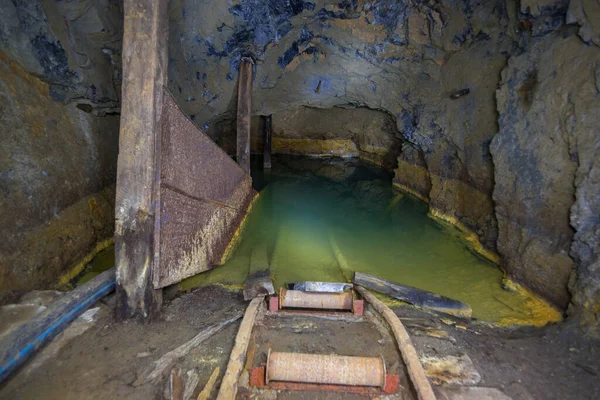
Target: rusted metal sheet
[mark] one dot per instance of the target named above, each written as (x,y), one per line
(193,164)
(202,197)
(326,369)
(325,301)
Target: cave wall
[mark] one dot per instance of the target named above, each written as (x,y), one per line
(358,132)
(547,189)
(59,98)
(403,59)
(511,162)
(488,110)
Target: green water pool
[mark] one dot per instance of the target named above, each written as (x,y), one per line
(322,219)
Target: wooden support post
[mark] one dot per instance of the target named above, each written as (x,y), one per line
(144,77)
(267,147)
(244,114)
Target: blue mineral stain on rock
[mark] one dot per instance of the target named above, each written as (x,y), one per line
(486,156)
(388,12)
(463,36)
(282,30)
(324,14)
(229,76)
(373,86)
(311,50)
(265,83)
(299,5)
(262,22)
(347,4)
(287,57)
(325,40)
(408,123)
(305,35)
(52,58)
(212,51)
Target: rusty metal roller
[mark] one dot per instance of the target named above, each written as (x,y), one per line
(326,369)
(324,301)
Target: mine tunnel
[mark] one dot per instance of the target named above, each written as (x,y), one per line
(289,199)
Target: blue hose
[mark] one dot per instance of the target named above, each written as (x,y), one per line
(24,341)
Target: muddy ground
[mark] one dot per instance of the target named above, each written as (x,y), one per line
(103,362)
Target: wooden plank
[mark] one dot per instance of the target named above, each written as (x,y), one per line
(407,350)
(420,298)
(191,382)
(176,384)
(158,368)
(267,142)
(229,385)
(210,385)
(145,40)
(244,114)
(259,281)
(24,341)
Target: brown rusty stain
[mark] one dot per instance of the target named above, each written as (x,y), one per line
(326,369)
(314,300)
(202,197)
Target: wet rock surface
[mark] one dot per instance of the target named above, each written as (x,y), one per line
(548,105)
(467,87)
(59,92)
(403,59)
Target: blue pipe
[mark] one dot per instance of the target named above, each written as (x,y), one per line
(29,337)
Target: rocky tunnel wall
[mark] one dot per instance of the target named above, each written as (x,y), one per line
(487,110)
(59,123)
(488,127)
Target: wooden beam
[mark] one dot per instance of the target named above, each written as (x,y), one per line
(267,142)
(244,114)
(417,297)
(176,384)
(210,385)
(144,77)
(155,371)
(407,350)
(229,385)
